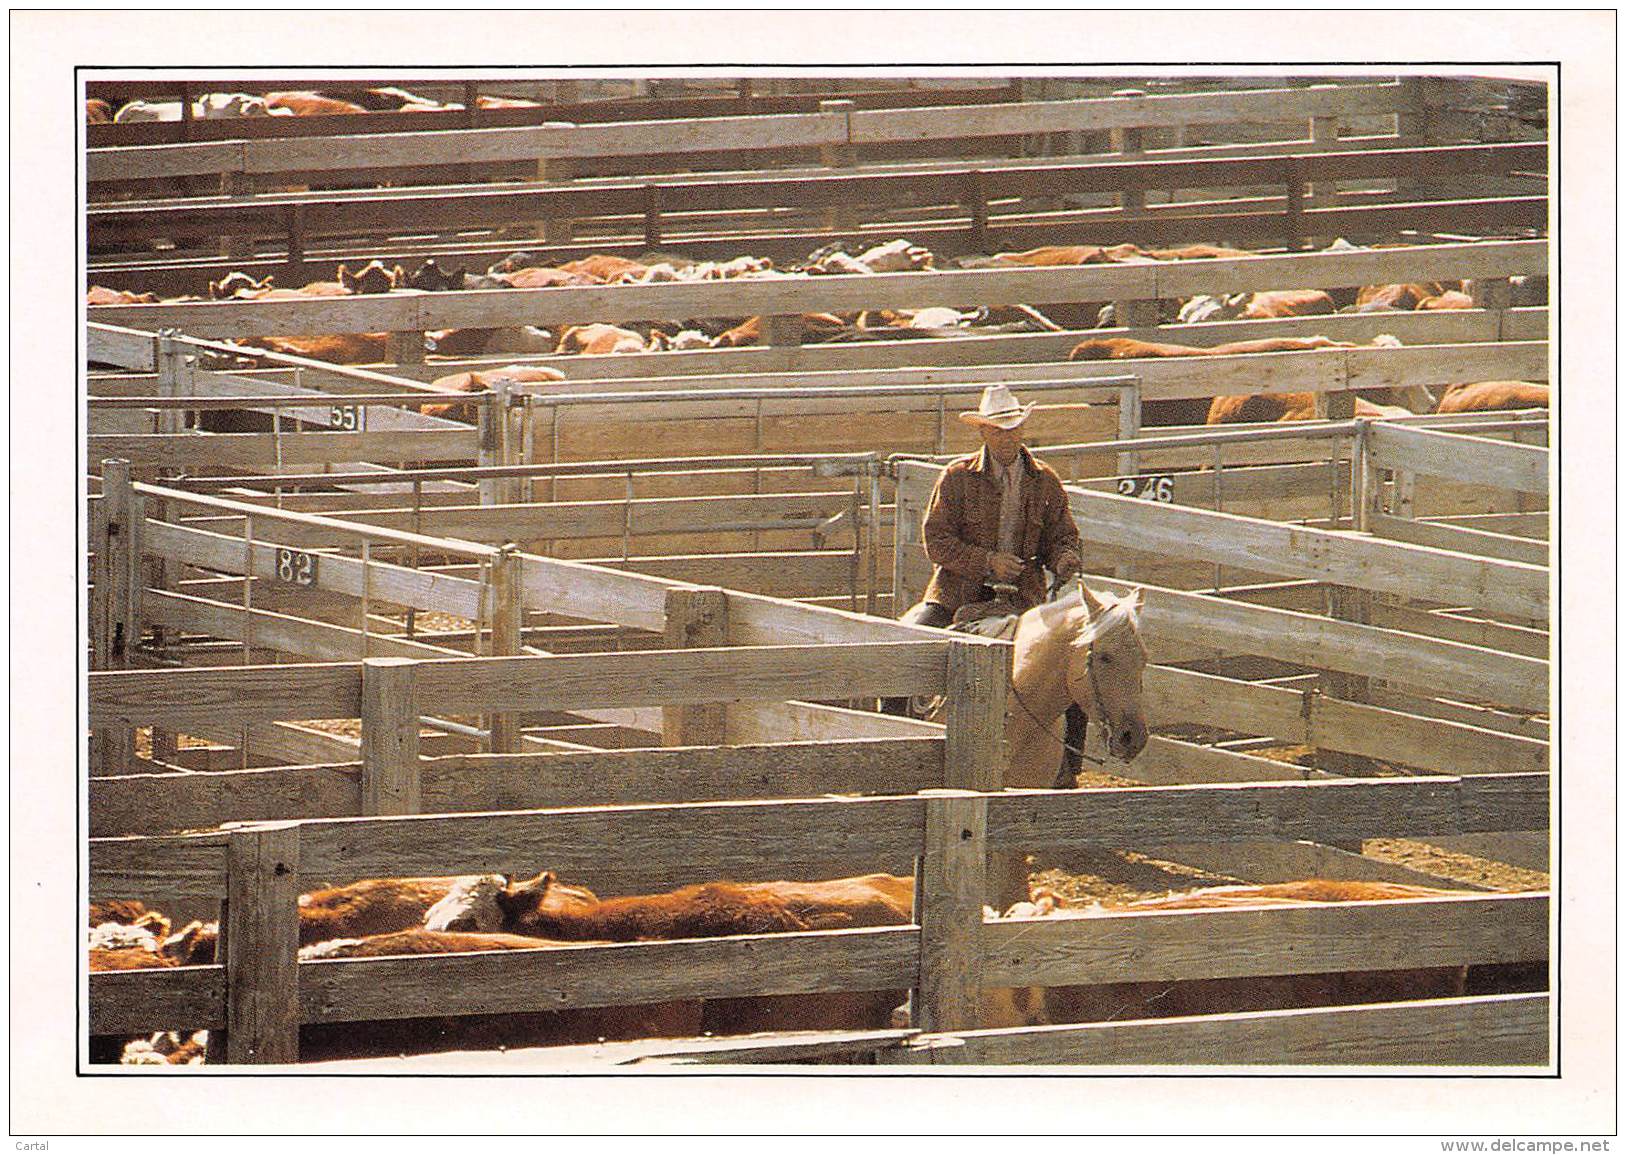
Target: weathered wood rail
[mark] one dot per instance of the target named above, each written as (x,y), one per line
(828,129)
(667,207)
(946,956)
(743,102)
(411,312)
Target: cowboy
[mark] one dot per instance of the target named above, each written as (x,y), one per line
(998,517)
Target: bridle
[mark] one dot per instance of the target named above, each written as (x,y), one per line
(1100,712)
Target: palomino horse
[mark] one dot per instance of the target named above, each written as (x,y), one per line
(1081,649)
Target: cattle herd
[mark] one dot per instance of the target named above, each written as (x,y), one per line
(526,270)
(418,916)
(230,105)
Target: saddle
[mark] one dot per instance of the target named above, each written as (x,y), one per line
(993,617)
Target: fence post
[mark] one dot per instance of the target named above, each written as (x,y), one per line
(554,230)
(511,489)
(840,156)
(696,616)
(975,200)
(906,516)
(1296,187)
(1323,135)
(1349,604)
(949,886)
(783,329)
(652,215)
(492,445)
(977,686)
(118,550)
(262,944)
(404,348)
(1130,144)
(233,183)
(172,365)
(507,616)
(1339,404)
(1412,129)
(1366,480)
(873,508)
(390,775)
(1491,292)
(1129,416)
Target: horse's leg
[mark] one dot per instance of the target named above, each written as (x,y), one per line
(1072,754)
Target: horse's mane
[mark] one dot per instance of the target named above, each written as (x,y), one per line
(1119,615)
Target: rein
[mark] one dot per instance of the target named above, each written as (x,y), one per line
(1095,695)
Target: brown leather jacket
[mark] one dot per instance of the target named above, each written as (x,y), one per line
(962,529)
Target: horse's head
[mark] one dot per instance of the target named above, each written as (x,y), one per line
(1104,670)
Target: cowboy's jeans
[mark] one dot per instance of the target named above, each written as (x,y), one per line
(920,614)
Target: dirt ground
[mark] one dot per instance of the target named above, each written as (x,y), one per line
(1084,876)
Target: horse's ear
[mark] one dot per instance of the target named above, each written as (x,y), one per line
(1092,604)
(1137,599)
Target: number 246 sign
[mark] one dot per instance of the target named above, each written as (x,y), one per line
(1158,487)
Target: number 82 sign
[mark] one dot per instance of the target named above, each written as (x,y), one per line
(296,567)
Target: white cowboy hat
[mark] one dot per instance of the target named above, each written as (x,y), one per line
(998,408)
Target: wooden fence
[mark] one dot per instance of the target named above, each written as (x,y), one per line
(260,995)
(403,312)
(1363,579)
(988,201)
(844,127)
(747,100)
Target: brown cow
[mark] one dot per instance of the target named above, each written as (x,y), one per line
(372,277)
(1165,999)
(1288,303)
(483,101)
(1450,299)
(1373,298)
(1387,401)
(478,342)
(312,104)
(97,295)
(1197,253)
(98,112)
(124,910)
(167,1048)
(819,326)
(601,267)
(600,340)
(371,906)
(240,286)
(548,908)
(1285,407)
(338,348)
(679,1018)
(1053,255)
(540,278)
(1488,396)
(475,382)
(1189,410)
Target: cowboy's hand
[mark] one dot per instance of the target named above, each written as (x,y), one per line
(1005,567)
(1067,567)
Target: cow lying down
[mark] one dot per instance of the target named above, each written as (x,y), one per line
(481,913)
